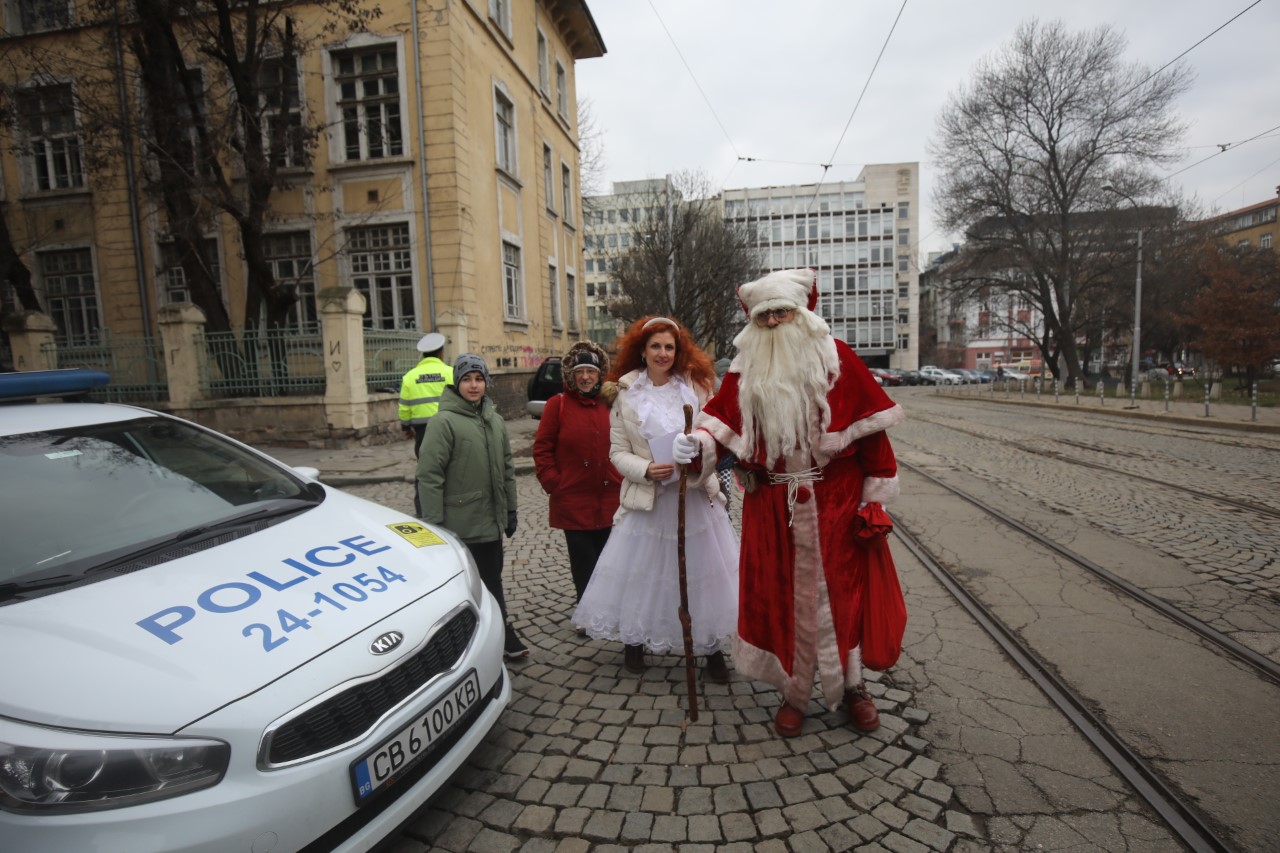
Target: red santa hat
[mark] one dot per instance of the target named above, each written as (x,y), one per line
(782,289)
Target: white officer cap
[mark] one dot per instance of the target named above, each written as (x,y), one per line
(431,342)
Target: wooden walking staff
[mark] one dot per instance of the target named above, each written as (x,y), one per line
(685,623)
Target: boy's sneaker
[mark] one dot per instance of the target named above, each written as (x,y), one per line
(514,647)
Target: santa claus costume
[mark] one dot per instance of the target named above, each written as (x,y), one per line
(807,421)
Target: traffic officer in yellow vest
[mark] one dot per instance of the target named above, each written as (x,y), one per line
(420,392)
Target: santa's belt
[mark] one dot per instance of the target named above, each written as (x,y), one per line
(793,480)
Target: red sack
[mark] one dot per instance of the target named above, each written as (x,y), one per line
(884,615)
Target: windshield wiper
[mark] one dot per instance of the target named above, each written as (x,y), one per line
(15,589)
(275,510)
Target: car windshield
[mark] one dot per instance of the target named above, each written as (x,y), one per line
(80,497)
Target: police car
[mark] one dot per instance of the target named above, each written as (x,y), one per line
(205,650)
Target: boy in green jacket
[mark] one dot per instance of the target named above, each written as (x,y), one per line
(467,481)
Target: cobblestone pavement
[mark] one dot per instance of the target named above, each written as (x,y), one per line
(589,756)
(970,757)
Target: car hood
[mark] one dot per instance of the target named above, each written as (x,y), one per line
(155,649)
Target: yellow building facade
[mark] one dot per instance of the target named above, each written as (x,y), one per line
(443,185)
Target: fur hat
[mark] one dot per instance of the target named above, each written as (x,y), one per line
(469,363)
(783,289)
(583,354)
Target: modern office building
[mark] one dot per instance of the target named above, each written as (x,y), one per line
(861,237)
(610,221)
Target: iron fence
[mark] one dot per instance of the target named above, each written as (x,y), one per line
(262,363)
(388,355)
(135,364)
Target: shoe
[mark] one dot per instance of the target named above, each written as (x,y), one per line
(789,721)
(514,648)
(717,670)
(633,659)
(582,632)
(862,710)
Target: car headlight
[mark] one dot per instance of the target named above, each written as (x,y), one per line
(52,771)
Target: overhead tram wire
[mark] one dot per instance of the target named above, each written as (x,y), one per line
(1229,146)
(1188,50)
(827,166)
(694,77)
(1248,179)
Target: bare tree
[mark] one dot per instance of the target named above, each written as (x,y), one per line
(1028,149)
(685,261)
(591,159)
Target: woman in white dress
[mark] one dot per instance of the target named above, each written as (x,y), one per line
(634,593)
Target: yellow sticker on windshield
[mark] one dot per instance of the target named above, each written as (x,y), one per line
(416,534)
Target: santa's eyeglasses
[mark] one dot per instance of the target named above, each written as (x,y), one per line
(782,315)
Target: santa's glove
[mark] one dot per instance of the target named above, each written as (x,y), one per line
(684,449)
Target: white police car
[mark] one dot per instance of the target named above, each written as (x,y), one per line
(205,650)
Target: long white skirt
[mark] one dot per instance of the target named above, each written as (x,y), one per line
(634,593)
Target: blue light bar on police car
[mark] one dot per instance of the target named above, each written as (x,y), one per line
(50,383)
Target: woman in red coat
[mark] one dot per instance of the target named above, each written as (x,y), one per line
(571,452)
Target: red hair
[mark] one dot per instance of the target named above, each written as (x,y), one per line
(691,361)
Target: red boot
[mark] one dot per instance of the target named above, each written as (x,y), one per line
(789,721)
(862,710)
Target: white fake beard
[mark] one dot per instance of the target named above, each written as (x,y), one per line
(783,384)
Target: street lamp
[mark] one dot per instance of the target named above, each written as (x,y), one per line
(1137,307)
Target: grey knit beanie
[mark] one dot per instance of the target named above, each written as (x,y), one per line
(469,362)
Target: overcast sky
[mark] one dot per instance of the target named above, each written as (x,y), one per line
(783,78)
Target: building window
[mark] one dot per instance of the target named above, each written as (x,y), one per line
(500,14)
(904,237)
(172,276)
(368,83)
(382,269)
(904,290)
(289,255)
(562,90)
(566,191)
(904,210)
(282,133)
(544,73)
(71,293)
(902,318)
(504,129)
(1264,241)
(1242,244)
(902,264)
(548,180)
(49,121)
(512,297)
(553,280)
(571,300)
(904,342)
(42,15)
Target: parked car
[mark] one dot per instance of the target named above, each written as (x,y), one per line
(207,650)
(546,382)
(1014,375)
(986,376)
(931,375)
(911,377)
(970,377)
(886,376)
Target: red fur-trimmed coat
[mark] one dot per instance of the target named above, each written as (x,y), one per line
(801,583)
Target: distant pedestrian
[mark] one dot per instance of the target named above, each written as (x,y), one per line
(634,593)
(420,391)
(1000,372)
(467,480)
(571,454)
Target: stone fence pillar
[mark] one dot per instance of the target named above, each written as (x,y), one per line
(346,391)
(31,340)
(181,335)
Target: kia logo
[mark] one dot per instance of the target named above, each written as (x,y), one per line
(386,642)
